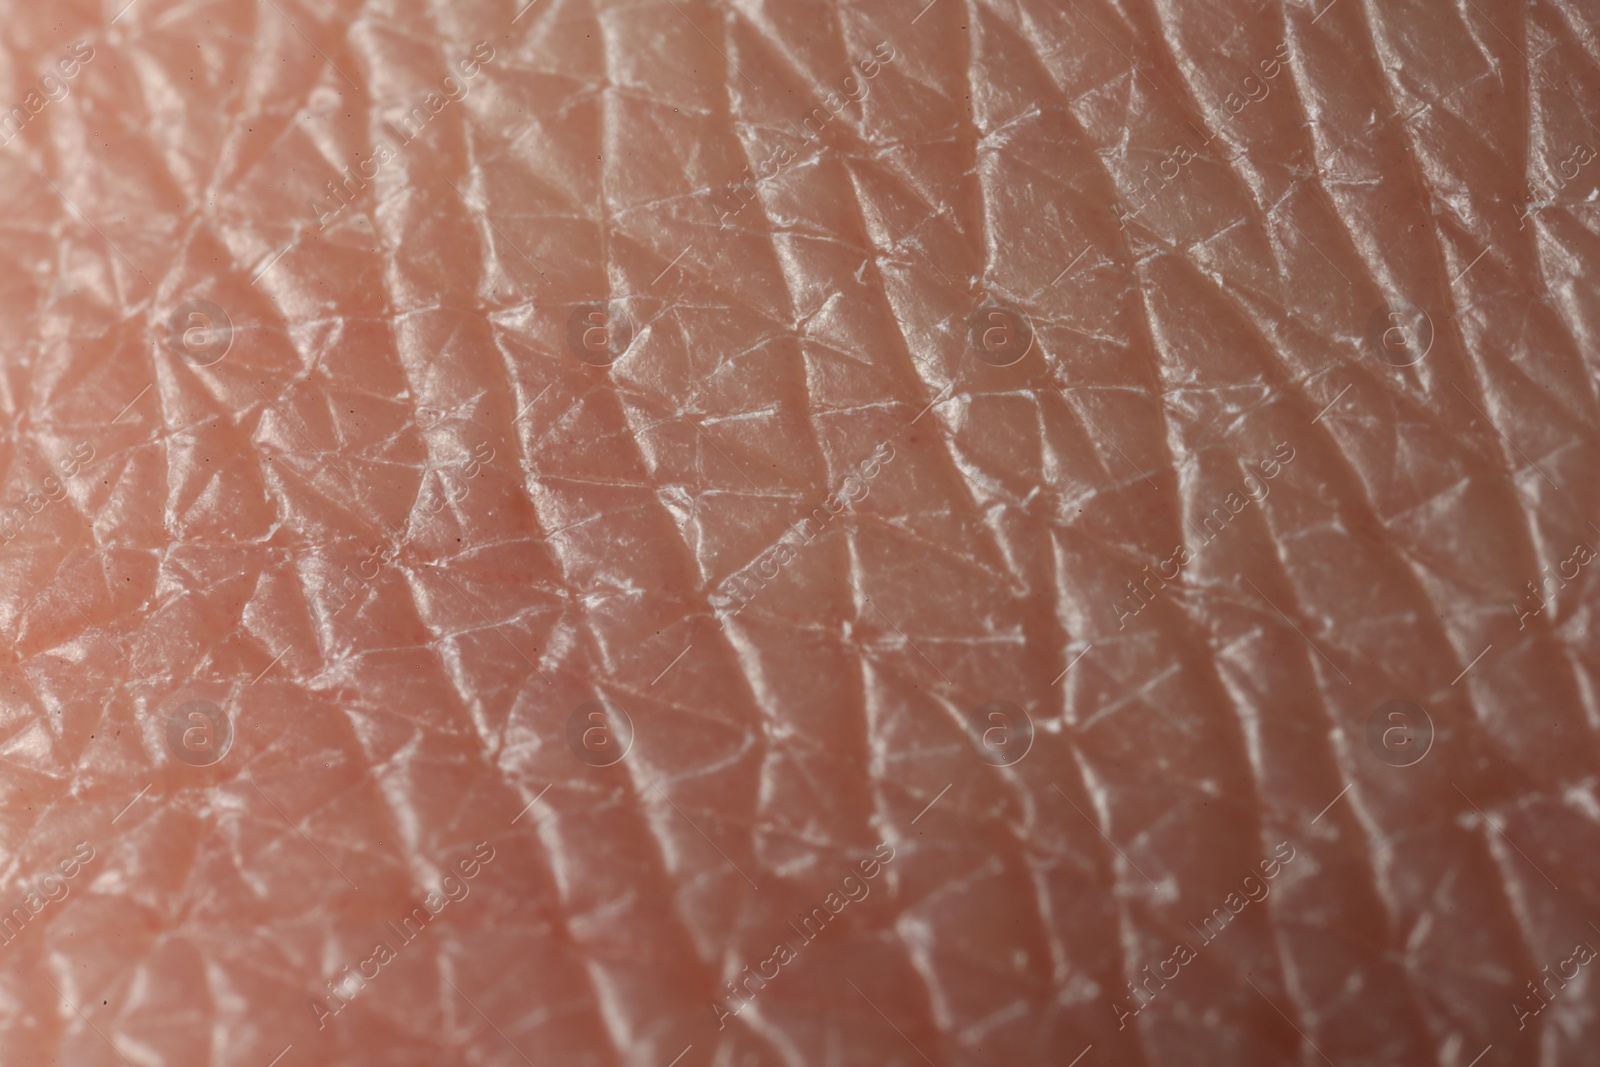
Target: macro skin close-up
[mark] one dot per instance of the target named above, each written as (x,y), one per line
(677,533)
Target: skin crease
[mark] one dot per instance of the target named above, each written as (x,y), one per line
(1215,229)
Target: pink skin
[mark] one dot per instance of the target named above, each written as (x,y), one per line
(1180,790)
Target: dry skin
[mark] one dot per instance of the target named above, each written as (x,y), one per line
(1032,532)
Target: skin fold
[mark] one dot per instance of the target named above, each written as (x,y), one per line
(794,533)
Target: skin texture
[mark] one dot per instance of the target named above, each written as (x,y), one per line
(799,534)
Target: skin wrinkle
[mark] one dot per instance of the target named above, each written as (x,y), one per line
(1469,653)
(594,983)
(774,775)
(664,848)
(1533,552)
(816,458)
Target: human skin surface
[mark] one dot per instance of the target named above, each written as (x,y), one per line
(738,533)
